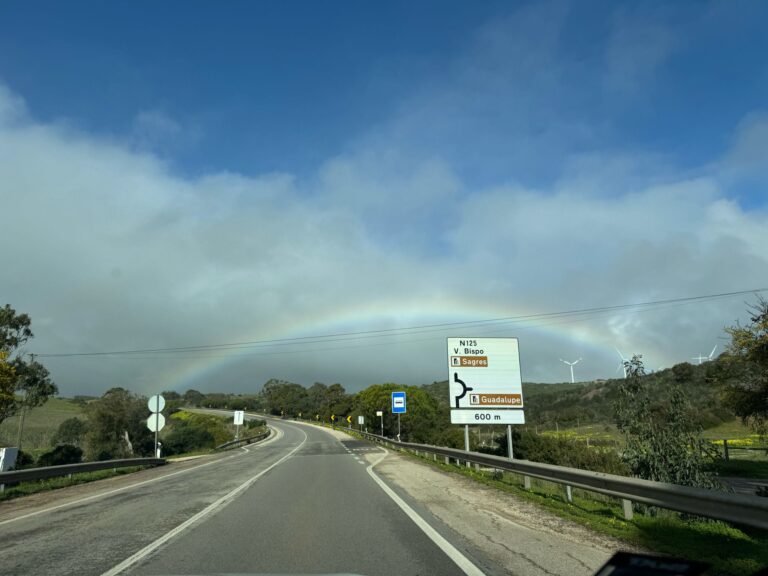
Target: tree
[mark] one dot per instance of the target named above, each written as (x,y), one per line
(117,426)
(71,431)
(24,382)
(745,369)
(661,441)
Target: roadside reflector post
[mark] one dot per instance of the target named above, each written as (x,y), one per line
(627,506)
(527,482)
(447,460)
(569,494)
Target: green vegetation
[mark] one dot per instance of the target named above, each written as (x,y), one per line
(744,369)
(663,445)
(26,488)
(40,424)
(24,382)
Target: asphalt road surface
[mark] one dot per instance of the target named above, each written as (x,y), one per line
(301,502)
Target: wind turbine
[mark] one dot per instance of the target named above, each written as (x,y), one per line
(622,360)
(701,358)
(571,364)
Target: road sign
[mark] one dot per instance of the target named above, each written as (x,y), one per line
(484,381)
(156,403)
(349,419)
(156,422)
(379,413)
(361,420)
(398,403)
(239,417)
(333,417)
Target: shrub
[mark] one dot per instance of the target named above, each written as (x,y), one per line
(62,454)
(187,437)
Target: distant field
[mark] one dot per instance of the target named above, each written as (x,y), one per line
(40,424)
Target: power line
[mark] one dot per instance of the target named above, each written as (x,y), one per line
(420,329)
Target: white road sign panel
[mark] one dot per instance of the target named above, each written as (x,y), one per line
(484,379)
(156,422)
(379,413)
(239,417)
(468,416)
(361,420)
(156,403)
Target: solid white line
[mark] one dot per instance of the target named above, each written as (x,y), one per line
(464,563)
(278,434)
(141,554)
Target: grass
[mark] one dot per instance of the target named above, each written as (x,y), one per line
(731,550)
(742,468)
(40,424)
(27,488)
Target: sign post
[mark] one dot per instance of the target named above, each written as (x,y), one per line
(380,414)
(398,407)
(485,383)
(238,421)
(156,421)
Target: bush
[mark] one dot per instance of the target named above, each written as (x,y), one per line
(559,451)
(187,437)
(71,431)
(251,424)
(62,454)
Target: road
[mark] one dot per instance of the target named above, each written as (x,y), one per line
(304,501)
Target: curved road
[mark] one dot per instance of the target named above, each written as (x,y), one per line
(300,502)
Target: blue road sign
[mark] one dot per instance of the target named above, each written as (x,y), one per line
(398,403)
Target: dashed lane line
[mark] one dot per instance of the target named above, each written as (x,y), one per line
(224,500)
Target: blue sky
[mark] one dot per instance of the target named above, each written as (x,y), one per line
(257,87)
(203,172)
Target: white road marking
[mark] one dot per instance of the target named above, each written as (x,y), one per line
(464,563)
(141,554)
(277,435)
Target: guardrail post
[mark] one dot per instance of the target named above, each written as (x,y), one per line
(477,467)
(627,506)
(569,494)
(434,457)
(527,482)
(447,460)
(726,455)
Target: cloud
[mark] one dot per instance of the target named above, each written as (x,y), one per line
(491,192)
(748,156)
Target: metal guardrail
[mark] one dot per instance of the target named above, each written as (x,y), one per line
(736,508)
(250,440)
(31,474)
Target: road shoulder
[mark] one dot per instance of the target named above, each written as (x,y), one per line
(516,535)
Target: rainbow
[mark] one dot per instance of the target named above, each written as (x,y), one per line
(191,372)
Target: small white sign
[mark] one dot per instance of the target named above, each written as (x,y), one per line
(156,403)
(361,420)
(379,413)
(8,458)
(239,417)
(156,422)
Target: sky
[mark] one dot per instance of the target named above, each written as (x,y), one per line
(289,175)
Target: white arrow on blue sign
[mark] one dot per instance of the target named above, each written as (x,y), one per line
(398,403)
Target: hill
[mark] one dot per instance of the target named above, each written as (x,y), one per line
(568,405)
